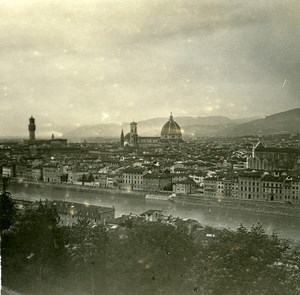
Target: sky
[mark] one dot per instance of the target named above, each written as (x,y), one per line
(76,63)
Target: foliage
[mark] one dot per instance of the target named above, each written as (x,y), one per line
(90,178)
(83,179)
(33,245)
(64,178)
(7,210)
(87,178)
(242,262)
(87,246)
(127,223)
(149,258)
(39,256)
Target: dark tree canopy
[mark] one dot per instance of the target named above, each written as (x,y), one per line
(242,262)
(87,247)
(40,257)
(150,258)
(33,244)
(7,210)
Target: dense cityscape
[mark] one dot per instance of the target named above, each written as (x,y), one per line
(241,168)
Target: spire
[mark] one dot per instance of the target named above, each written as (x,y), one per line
(171,116)
(122,140)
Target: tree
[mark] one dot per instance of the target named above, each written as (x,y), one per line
(83,179)
(64,177)
(33,246)
(87,246)
(7,210)
(90,177)
(149,258)
(242,262)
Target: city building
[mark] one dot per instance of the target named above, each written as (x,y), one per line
(177,177)
(52,142)
(51,173)
(21,171)
(7,171)
(230,186)
(198,178)
(171,133)
(273,187)
(249,185)
(185,187)
(71,212)
(153,215)
(274,158)
(133,178)
(256,186)
(157,182)
(210,187)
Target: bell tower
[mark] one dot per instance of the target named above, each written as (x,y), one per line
(31,128)
(133,134)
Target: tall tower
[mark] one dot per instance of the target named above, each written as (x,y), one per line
(122,139)
(133,134)
(31,128)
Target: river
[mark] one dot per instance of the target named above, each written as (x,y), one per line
(285,226)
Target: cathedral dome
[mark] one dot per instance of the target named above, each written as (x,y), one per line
(171,130)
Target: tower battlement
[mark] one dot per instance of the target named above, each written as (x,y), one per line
(31,128)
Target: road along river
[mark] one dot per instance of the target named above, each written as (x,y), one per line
(285,226)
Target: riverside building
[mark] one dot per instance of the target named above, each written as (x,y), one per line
(257,186)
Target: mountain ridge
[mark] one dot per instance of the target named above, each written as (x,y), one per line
(148,127)
(282,122)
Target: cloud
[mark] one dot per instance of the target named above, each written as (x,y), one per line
(145,58)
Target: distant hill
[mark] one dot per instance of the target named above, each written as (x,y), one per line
(99,130)
(150,127)
(246,120)
(284,122)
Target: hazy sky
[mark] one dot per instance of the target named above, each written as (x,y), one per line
(74,63)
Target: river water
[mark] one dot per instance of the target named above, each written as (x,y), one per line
(285,226)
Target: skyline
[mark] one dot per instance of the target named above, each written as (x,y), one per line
(111,61)
(154,130)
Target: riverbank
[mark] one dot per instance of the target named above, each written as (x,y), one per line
(281,209)
(209,214)
(81,188)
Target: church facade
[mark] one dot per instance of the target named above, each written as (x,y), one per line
(170,134)
(274,159)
